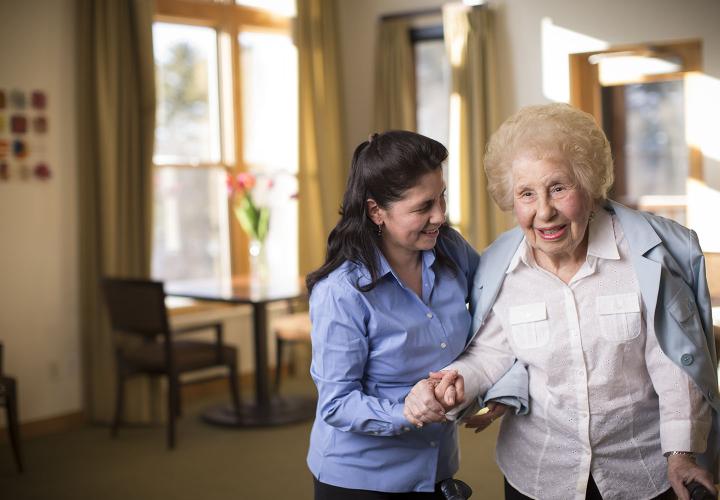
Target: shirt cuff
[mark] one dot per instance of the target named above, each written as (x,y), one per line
(399,423)
(681,435)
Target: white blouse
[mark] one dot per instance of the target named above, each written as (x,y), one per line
(604,398)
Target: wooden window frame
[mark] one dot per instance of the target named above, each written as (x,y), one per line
(586,88)
(231,20)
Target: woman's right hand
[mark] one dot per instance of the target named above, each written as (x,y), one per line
(430,398)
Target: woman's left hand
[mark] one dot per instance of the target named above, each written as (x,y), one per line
(682,470)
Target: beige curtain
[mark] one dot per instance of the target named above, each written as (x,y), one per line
(394,77)
(116,115)
(323,166)
(470,42)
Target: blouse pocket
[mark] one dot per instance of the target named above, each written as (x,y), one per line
(619,315)
(529,324)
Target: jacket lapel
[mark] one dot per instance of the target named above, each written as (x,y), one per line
(490,276)
(641,238)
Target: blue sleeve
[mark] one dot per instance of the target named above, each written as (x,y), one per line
(340,350)
(511,390)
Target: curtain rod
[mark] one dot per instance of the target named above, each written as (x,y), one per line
(421,12)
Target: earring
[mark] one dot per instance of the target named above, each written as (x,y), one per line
(592,215)
(379,229)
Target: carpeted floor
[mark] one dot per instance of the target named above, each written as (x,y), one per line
(209,463)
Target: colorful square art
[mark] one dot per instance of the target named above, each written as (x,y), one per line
(42,171)
(25,172)
(39,124)
(20,149)
(2,124)
(18,124)
(4,148)
(4,171)
(17,99)
(39,100)
(2,99)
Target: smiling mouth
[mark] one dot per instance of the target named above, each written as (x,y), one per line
(432,232)
(551,233)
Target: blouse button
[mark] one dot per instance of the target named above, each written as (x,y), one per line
(443,345)
(429,315)
(687,359)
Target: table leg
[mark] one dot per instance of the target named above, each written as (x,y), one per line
(267,410)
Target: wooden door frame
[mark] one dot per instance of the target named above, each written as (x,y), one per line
(586,88)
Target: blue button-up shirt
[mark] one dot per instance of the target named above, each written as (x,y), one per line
(369,350)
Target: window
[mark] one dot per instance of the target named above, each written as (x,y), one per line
(638,95)
(432,80)
(226,79)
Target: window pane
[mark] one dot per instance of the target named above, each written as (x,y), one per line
(188,125)
(190,239)
(280,7)
(432,76)
(270,102)
(270,137)
(656,152)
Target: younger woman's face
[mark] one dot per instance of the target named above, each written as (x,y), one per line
(412,224)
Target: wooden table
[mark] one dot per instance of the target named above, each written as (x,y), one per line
(267,409)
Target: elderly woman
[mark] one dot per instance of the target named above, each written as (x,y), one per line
(608,309)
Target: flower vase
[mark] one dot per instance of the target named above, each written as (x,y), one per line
(259,270)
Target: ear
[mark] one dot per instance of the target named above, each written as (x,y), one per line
(375,213)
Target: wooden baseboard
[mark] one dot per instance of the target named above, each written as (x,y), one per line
(52,425)
(192,392)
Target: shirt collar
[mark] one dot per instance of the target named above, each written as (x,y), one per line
(601,242)
(428,259)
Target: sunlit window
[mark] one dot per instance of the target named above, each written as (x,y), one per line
(432,81)
(280,7)
(215,117)
(270,138)
(190,232)
(188,125)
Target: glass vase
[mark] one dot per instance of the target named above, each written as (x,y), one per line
(259,270)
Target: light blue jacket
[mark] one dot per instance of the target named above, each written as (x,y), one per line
(670,269)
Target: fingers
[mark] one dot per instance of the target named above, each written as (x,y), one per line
(682,470)
(450,397)
(421,407)
(705,478)
(459,389)
(481,420)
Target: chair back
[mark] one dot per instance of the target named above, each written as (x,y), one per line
(136,306)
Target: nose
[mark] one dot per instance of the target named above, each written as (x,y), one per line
(437,216)
(545,208)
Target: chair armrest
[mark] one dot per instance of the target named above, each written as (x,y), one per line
(217,326)
(194,328)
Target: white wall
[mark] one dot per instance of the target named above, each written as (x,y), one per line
(520,42)
(38,220)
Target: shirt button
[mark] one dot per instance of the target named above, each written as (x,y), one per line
(405,429)
(687,359)
(433,444)
(429,315)
(443,345)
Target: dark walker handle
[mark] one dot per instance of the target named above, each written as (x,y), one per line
(699,492)
(454,489)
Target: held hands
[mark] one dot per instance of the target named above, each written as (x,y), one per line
(682,470)
(430,398)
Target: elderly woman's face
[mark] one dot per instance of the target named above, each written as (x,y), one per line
(550,207)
